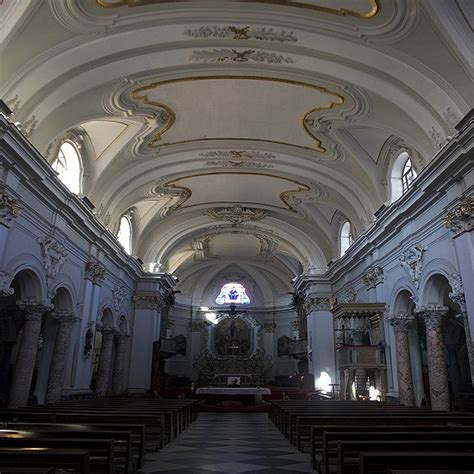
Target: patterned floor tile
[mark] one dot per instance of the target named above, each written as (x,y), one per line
(228,443)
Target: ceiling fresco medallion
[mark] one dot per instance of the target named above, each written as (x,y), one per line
(228,55)
(243,33)
(307,120)
(237,214)
(238,159)
(371,9)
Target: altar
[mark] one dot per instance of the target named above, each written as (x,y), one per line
(235,393)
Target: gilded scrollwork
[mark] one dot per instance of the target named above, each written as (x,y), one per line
(9,209)
(461,218)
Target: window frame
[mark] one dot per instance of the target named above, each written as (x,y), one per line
(60,166)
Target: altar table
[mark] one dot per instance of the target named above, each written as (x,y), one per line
(257,392)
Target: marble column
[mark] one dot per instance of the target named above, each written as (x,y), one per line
(438,373)
(401,323)
(61,348)
(105,359)
(119,368)
(26,356)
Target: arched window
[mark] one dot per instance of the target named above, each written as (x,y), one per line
(402,176)
(124,234)
(345,237)
(68,166)
(232,293)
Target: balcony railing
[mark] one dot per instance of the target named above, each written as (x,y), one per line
(350,356)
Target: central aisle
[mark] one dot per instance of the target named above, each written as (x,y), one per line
(226,443)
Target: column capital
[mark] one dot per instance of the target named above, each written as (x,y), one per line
(33,309)
(107,331)
(319,303)
(64,316)
(433,314)
(461,218)
(401,321)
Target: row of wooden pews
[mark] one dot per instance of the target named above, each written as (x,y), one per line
(374,437)
(106,435)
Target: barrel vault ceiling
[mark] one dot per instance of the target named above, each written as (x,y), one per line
(237,134)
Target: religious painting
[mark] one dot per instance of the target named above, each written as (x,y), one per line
(232,293)
(284,346)
(232,337)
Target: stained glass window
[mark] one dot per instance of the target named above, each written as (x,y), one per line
(232,293)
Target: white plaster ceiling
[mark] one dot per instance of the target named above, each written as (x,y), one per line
(292,110)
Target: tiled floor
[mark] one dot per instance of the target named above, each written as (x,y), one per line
(229,443)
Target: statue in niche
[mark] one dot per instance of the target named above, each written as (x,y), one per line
(232,337)
(284,346)
(180,344)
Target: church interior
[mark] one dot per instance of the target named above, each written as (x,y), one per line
(282,282)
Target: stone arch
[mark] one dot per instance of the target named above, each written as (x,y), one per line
(435,274)
(64,296)
(29,281)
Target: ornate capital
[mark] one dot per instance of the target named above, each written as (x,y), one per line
(373,276)
(325,303)
(295,324)
(461,219)
(107,331)
(9,209)
(401,321)
(433,315)
(412,262)
(33,309)
(64,316)
(268,326)
(148,301)
(95,272)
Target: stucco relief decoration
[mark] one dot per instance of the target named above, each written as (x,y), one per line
(325,303)
(9,209)
(95,272)
(461,219)
(412,262)
(198,325)
(229,55)
(349,295)
(54,255)
(5,282)
(238,159)
(295,325)
(373,277)
(451,119)
(236,214)
(118,294)
(148,301)
(457,291)
(242,33)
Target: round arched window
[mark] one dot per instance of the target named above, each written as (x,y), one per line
(124,234)
(402,176)
(345,237)
(68,166)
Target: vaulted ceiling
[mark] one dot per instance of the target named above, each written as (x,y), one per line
(238,132)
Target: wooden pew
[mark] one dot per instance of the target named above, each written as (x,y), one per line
(330,439)
(348,451)
(101,450)
(379,462)
(130,437)
(78,459)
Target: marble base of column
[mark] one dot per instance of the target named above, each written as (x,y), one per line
(26,356)
(58,363)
